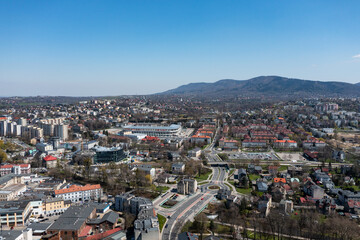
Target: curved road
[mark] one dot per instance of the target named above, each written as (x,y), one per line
(193,205)
(198,201)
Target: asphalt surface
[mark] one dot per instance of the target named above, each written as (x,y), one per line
(199,201)
(194,205)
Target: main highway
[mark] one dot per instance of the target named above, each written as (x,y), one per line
(193,205)
(190,207)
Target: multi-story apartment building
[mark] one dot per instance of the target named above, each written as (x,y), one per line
(61,131)
(327,107)
(9,128)
(32,132)
(55,206)
(285,144)
(187,186)
(247,143)
(48,129)
(77,193)
(17,169)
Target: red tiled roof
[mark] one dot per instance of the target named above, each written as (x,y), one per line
(197,136)
(283,180)
(103,235)
(149,138)
(26,165)
(75,188)
(85,231)
(50,158)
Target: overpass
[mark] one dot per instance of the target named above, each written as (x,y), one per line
(219,164)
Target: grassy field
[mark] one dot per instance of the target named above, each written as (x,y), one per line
(253,177)
(263,236)
(228,185)
(202,183)
(203,177)
(186,227)
(241,190)
(231,173)
(282,168)
(162,221)
(162,188)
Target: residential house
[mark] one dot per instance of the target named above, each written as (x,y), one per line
(261,186)
(264,204)
(240,173)
(178,168)
(346,195)
(313,190)
(147,169)
(196,152)
(273,170)
(223,194)
(50,161)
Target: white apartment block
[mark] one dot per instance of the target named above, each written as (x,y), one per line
(80,193)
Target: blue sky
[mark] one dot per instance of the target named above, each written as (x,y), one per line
(89,48)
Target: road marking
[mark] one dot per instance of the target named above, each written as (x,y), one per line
(187,209)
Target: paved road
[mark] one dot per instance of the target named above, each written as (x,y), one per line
(178,219)
(194,205)
(199,201)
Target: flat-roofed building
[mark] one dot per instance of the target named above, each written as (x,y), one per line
(155,130)
(26,234)
(15,213)
(11,192)
(106,155)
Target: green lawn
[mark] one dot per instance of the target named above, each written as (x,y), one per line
(282,168)
(186,227)
(244,190)
(241,190)
(162,188)
(253,177)
(203,177)
(162,221)
(262,236)
(202,183)
(223,229)
(228,185)
(231,172)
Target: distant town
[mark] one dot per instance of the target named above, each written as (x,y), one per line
(179,167)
